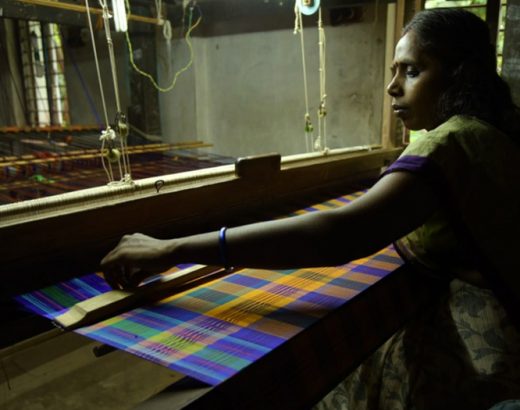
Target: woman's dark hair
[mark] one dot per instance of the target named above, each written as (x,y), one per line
(461,41)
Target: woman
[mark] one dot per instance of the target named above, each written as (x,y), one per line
(465,352)
(454,199)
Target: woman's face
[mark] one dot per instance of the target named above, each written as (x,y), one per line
(416,85)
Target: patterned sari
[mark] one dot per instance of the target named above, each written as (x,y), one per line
(464,352)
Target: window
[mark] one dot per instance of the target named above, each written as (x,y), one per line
(43,74)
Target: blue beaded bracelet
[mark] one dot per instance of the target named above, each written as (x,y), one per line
(223,248)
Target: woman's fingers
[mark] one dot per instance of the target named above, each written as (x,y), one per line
(134,258)
(124,276)
(111,276)
(137,277)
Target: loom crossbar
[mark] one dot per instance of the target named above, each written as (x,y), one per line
(116,301)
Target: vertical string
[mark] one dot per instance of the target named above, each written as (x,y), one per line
(321,142)
(97,63)
(108,169)
(122,129)
(308,123)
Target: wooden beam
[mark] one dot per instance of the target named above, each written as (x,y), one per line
(397,15)
(72,236)
(30,159)
(492,16)
(82,9)
(58,12)
(388,126)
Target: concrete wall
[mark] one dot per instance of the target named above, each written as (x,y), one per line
(244,93)
(85,103)
(511,54)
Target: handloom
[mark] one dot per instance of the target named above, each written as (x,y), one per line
(212,332)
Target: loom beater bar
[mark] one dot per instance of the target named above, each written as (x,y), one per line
(108,304)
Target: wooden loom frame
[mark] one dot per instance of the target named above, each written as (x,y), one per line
(69,230)
(182,205)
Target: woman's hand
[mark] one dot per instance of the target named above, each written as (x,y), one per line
(135,258)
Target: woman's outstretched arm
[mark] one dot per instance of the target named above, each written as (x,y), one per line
(397,204)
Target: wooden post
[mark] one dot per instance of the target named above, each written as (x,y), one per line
(394,25)
(492,15)
(511,53)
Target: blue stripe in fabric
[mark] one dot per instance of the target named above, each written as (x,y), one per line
(284,290)
(109,335)
(381,273)
(212,295)
(387,258)
(175,311)
(202,369)
(246,281)
(242,348)
(257,337)
(322,300)
(349,284)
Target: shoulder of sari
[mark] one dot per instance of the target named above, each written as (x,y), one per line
(475,170)
(456,150)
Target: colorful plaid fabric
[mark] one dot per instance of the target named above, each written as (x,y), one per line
(214,331)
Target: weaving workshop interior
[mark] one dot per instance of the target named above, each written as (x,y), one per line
(174,118)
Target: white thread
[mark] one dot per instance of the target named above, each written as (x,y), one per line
(108,169)
(188,43)
(124,171)
(167,30)
(321,142)
(108,136)
(298,28)
(97,62)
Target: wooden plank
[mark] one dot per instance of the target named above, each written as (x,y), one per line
(492,16)
(116,301)
(55,4)
(61,372)
(31,159)
(388,125)
(258,167)
(67,14)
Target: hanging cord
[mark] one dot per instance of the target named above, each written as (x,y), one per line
(298,28)
(110,43)
(320,144)
(96,60)
(187,38)
(121,124)
(158,9)
(106,133)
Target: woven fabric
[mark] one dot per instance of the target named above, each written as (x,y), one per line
(214,331)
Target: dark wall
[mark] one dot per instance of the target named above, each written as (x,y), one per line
(511,54)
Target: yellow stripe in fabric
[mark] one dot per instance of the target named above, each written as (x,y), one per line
(341,292)
(364,278)
(258,303)
(276,328)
